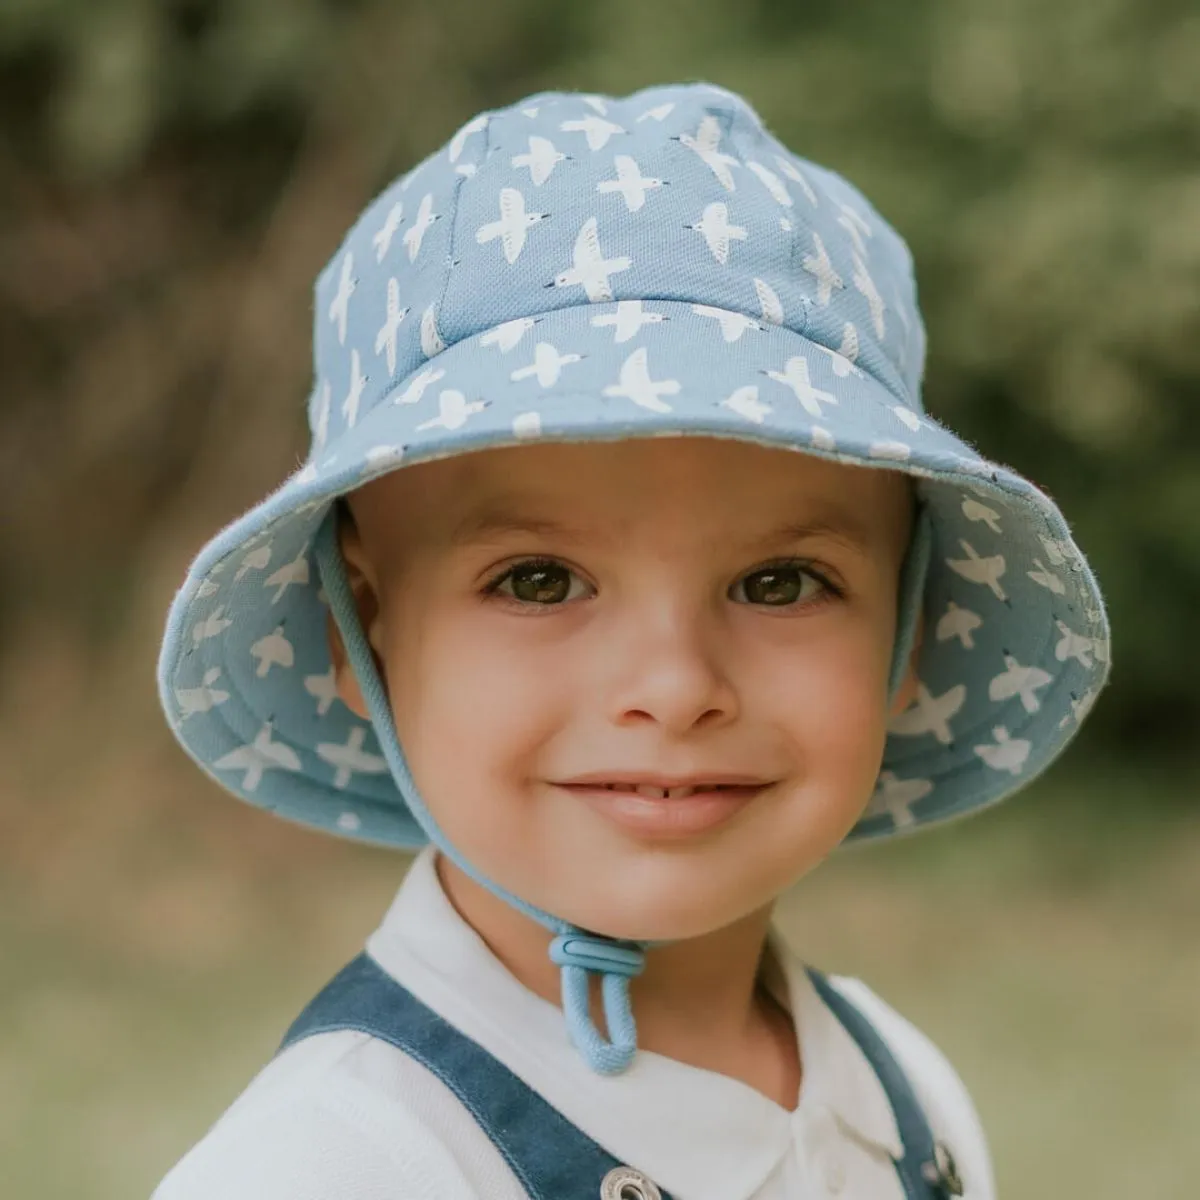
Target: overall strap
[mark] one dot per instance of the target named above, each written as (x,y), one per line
(551,1157)
(926,1170)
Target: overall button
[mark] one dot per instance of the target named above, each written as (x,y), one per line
(626,1183)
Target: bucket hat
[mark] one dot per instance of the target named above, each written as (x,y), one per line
(581,267)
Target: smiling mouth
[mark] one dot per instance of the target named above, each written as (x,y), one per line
(654,792)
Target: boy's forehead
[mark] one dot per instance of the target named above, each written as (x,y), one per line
(597,488)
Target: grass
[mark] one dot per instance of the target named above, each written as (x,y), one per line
(1050,948)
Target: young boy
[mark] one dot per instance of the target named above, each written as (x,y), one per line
(647,663)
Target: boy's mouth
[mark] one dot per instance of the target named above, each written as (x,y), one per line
(666,807)
(655,792)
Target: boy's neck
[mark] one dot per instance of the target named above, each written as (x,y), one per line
(699,1001)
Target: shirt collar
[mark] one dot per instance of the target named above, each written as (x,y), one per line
(697,1133)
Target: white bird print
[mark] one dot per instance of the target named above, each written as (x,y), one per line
(718,233)
(351,822)
(259,756)
(1017,680)
(899,451)
(630,182)
(706,144)
(354,394)
(1074,645)
(785,224)
(295,571)
(973,510)
(1079,708)
(459,140)
(745,403)
(796,176)
(768,302)
(321,421)
(274,650)
(795,376)
(839,364)
(905,416)
(822,270)
(541,158)
(512,226)
(467,169)
(431,338)
(453,411)
(733,324)
(930,714)
(377,456)
(895,797)
(207,588)
(658,113)
(866,285)
(253,560)
(627,320)
(822,439)
(1057,551)
(414,235)
(505,337)
(527,425)
(596,129)
(635,384)
(547,365)
(212,626)
(532,111)
(596,104)
(856,226)
(323,688)
(416,388)
(772,183)
(350,757)
(200,699)
(976,569)
(1008,753)
(339,307)
(1046,578)
(590,270)
(385,339)
(960,623)
(382,238)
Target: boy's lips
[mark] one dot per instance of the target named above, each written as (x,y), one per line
(666,806)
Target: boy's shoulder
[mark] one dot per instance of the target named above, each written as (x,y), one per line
(340,1114)
(943,1096)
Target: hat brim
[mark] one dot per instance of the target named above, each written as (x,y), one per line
(1016,641)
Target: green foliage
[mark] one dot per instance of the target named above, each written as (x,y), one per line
(1041,160)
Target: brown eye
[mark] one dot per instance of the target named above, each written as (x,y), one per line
(539,583)
(776,586)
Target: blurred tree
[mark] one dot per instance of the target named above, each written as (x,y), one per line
(173,173)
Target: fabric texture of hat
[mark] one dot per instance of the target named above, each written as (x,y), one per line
(582,267)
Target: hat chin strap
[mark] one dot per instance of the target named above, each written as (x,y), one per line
(577,952)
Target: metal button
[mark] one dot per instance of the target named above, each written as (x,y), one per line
(943,1171)
(626,1183)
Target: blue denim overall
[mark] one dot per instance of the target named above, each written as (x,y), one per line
(551,1157)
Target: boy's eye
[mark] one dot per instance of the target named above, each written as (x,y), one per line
(778,586)
(539,582)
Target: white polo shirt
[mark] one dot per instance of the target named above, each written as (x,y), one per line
(344,1116)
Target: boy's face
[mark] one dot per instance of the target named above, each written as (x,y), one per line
(557,624)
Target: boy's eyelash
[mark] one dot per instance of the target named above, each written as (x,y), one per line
(799,564)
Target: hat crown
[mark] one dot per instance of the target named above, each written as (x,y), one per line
(674,193)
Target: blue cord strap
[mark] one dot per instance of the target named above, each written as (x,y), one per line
(578,952)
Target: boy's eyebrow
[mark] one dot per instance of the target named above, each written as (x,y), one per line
(489,524)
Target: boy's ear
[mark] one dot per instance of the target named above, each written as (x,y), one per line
(906,693)
(361,579)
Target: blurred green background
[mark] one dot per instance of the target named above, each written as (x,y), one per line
(172,176)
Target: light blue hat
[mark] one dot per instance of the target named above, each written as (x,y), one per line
(581,267)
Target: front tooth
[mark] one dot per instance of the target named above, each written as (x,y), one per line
(677,793)
(651,792)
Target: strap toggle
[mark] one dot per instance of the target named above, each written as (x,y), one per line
(594,953)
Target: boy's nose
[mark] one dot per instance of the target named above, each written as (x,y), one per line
(669,672)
